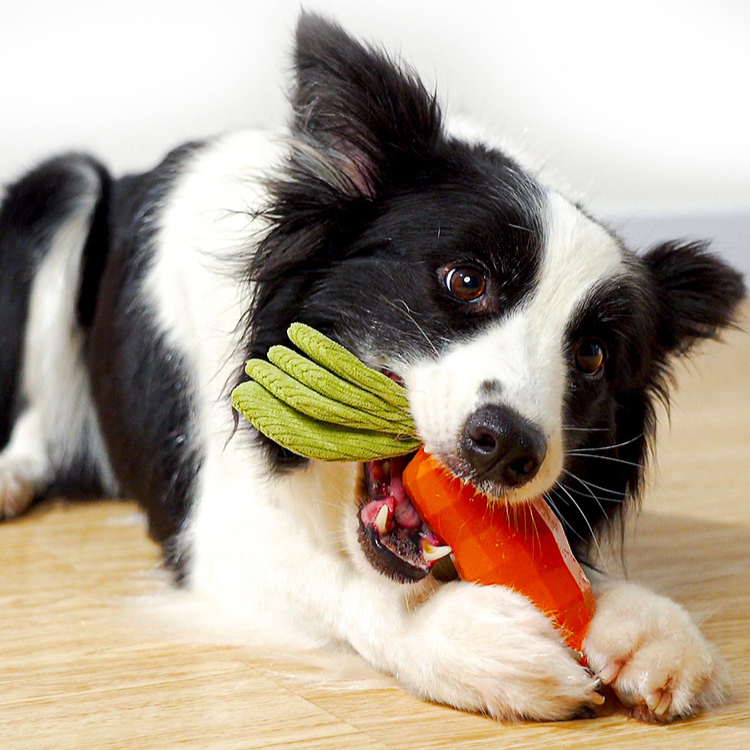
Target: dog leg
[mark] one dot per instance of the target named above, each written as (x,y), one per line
(255,552)
(650,651)
(24,465)
(488,649)
(477,648)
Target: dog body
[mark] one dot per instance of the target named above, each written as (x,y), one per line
(531,343)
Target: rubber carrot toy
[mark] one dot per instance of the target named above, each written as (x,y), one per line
(330,406)
(523,547)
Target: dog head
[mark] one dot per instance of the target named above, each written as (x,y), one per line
(532,343)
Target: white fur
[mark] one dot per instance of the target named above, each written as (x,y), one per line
(24,466)
(197,291)
(651,652)
(523,351)
(281,553)
(59,419)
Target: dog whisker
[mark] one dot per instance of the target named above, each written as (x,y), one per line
(585,429)
(536,531)
(610,447)
(548,498)
(570,491)
(587,483)
(605,458)
(588,524)
(406,310)
(580,493)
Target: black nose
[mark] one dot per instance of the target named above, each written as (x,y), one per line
(502,446)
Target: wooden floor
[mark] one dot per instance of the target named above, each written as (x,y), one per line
(76,670)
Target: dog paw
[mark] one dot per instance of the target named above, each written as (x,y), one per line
(649,650)
(16,494)
(488,649)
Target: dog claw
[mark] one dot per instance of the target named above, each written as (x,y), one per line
(659,702)
(608,674)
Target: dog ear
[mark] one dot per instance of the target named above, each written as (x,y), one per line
(365,118)
(697,294)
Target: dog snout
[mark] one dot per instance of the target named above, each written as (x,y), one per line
(502,446)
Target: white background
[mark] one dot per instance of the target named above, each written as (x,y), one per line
(641,105)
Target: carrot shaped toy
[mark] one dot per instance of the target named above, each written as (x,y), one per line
(523,547)
(326,404)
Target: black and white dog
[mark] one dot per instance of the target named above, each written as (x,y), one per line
(532,344)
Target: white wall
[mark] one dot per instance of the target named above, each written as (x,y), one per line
(639,104)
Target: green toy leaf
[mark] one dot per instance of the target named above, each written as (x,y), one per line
(316,405)
(324,382)
(342,362)
(331,407)
(311,437)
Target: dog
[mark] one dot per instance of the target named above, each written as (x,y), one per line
(532,343)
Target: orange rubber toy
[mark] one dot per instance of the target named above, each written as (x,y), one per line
(523,547)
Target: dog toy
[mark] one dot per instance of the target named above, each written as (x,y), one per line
(333,407)
(521,546)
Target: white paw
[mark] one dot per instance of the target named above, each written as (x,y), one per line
(16,494)
(650,651)
(488,649)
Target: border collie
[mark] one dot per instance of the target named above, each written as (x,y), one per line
(532,343)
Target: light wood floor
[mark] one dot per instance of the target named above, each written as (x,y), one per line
(77,672)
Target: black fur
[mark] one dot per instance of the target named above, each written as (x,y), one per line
(696,294)
(95,253)
(374,201)
(31,213)
(677,295)
(141,386)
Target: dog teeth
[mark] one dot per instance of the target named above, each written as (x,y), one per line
(431,552)
(382,521)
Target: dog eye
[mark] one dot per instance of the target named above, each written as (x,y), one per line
(590,356)
(466,283)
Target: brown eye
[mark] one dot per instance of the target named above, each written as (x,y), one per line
(466,283)
(590,356)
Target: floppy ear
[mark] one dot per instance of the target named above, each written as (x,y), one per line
(690,295)
(697,294)
(365,116)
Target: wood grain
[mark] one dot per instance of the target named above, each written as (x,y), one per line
(78,673)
